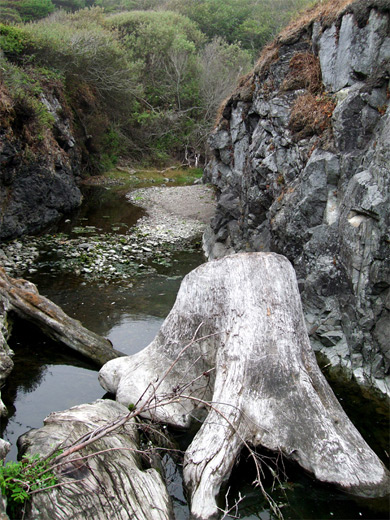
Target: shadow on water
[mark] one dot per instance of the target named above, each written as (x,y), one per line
(43,380)
(106,209)
(297,494)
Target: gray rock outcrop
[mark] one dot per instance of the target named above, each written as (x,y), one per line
(37,173)
(301,165)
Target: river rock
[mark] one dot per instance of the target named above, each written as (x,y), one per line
(235,345)
(317,193)
(113,484)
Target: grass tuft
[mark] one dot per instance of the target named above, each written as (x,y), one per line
(311,115)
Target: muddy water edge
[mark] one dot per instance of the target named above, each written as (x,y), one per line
(122,284)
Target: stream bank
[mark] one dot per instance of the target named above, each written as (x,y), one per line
(130,317)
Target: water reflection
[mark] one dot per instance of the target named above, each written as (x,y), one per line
(106,209)
(299,496)
(43,381)
(132,333)
(103,307)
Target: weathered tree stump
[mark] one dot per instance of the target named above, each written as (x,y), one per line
(254,372)
(109,485)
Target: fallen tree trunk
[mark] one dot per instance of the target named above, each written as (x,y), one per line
(254,372)
(106,480)
(23,298)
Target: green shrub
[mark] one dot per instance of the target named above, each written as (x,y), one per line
(29,9)
(9,15)
(112,147)
(71,5)
(26,90)
(84,51)
(19,479)
(13,40)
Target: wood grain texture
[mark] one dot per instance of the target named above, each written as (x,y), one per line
(111,485)
(259,373)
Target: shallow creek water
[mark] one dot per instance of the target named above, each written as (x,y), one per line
(47,377)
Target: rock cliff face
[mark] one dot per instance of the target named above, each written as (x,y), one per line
(38,172)
(301,166)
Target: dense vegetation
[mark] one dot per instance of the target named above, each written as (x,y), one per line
(142,78)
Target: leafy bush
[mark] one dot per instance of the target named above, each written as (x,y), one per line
(111,6)
(72,5)
(29,9)
(27,110)
(111,144)
(9,15)
(13,40)
(221,65)
(18,480)
(84,51)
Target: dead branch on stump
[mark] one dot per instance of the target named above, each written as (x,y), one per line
(266,389)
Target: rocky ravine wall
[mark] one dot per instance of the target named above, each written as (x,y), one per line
(37,173)
(301,166)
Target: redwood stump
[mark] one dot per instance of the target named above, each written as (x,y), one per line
(254,374)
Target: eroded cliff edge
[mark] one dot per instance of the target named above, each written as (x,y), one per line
(40,162)
(301,166)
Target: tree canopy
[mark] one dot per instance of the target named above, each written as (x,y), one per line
(157,69)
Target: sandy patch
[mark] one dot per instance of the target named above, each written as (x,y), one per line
(176,212)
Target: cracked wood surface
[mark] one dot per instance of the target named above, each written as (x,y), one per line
(22,297)
(257,371)
(111,485)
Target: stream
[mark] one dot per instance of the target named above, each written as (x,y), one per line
(129,311)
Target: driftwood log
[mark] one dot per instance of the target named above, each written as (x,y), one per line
(110,485)
(254,372)
(23,298)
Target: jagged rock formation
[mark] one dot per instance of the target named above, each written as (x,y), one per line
(253,364)
(301,166)
(38,173)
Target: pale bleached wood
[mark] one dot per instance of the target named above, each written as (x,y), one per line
(107,486)
(259,373)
